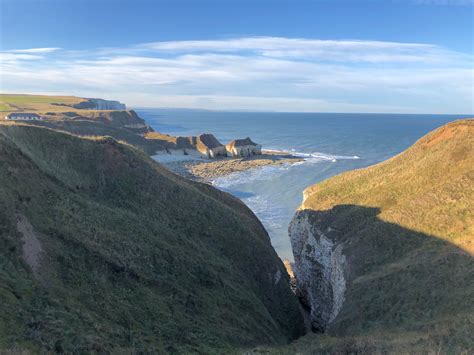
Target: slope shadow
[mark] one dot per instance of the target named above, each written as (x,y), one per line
(396,278)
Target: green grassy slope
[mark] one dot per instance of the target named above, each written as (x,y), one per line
(107,124)
(428,188)
(122,254)
(124,125)
(22,102)
(407,226)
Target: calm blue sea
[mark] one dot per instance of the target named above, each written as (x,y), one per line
(331,144)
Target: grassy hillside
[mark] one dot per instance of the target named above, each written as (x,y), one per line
(124,125)
(428,188)
(21,102)
(102,249)
(407,230)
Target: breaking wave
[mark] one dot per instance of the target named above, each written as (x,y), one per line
(272,171)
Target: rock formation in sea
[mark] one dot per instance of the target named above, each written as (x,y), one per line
(243,148)
(99,104)
(209,146)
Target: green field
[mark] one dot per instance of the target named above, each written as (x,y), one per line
(86,122)
(41,103)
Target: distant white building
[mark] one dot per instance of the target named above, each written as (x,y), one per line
(23,116)
(243,148)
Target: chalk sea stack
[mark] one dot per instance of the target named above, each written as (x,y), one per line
(209,146)
(243,148)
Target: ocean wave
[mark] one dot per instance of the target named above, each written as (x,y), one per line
(323,156)
(272,171)
(314,155)
(255,174)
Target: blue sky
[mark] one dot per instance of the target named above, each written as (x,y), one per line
(413,56)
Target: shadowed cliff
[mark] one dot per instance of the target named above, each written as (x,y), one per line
(399,283)
(383,255)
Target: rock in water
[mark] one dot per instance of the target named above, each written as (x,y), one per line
(243,148)
(209,146)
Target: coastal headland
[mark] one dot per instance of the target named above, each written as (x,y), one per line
(201,158)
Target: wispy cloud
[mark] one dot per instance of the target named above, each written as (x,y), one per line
(263,73)
(300,48)
(35,50)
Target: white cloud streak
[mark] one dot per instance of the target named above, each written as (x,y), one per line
(261,73)
(35,50)
(310,49)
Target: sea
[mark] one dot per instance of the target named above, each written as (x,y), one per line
(330,143)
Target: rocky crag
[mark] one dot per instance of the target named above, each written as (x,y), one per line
(384,255)
(86,117)
(243,148)
(94,104)
(206,145)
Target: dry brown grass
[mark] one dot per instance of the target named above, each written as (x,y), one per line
(407,228)
(429,188)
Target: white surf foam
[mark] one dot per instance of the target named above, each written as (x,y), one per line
(272,172)
(255,174)
(318,156)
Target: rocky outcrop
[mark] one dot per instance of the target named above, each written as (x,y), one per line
(386,251)
(127,119)
(319,270)
(204,145)
(99,104)
(209,146)
(243,148)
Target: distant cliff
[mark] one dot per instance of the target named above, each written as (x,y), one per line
(90,104)
(99,117)
(384,255)
(99,104)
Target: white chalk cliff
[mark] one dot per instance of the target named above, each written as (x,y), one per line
(319,269)
(243,148)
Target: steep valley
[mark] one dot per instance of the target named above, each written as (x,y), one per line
(104,250)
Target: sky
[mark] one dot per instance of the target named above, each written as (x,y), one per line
(390,56)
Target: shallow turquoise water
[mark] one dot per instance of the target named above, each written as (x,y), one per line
(331,144)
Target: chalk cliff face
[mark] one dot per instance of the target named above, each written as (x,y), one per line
(100,104)
(243,148)
(205,145)
(319,269)
(209,146)
(389,249)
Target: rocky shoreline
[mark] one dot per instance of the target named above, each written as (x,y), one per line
(208,170)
